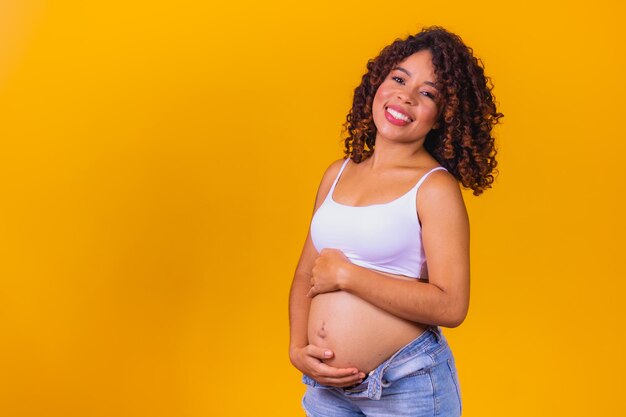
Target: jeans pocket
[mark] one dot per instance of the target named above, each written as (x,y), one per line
(455,378)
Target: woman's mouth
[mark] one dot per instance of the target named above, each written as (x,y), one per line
(397,118)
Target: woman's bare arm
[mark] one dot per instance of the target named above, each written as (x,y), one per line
(304,356)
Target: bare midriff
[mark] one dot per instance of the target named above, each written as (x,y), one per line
(360,334)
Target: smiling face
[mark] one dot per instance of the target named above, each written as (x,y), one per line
(405,105)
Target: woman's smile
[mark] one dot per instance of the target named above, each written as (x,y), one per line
(396,116)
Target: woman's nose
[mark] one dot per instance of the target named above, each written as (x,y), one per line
(406,97)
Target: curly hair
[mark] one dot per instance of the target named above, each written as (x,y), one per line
(462,141)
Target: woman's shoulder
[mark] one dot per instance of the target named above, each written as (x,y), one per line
(337,164)
(440,191)
(331,172)
(439,179)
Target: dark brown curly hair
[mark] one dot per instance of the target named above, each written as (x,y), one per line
(462,142)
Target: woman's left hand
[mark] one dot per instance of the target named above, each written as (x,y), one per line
(331,267)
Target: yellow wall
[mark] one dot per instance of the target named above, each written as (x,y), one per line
(158,166)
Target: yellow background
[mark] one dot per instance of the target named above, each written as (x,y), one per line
(158,165)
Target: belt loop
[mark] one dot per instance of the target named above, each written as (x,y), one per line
(436,331)
(374,389)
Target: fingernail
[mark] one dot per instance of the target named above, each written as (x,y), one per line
(354,372)
(328,353)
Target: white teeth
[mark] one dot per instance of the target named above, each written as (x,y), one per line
(398,115)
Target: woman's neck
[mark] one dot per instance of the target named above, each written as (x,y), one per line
(393,154)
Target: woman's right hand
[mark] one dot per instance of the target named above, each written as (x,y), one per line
(308,360)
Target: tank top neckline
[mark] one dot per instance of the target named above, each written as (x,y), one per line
(417,185)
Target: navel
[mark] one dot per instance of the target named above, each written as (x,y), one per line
(322,331)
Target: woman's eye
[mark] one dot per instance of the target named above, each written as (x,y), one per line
(400,80)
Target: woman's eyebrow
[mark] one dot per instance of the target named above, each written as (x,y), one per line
(430,83)
(402,69)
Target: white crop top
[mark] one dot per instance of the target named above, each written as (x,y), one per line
(385,237)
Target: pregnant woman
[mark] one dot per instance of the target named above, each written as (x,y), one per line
(386,260)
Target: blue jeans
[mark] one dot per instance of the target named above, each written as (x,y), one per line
(419,380)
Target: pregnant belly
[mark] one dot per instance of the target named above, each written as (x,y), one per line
(360,334)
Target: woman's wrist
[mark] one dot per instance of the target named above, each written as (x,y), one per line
(293,353)
(344,276)
(294,347)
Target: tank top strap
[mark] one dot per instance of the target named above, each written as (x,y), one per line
(332,188)
(419,183)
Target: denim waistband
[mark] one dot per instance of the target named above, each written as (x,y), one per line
(422,352)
